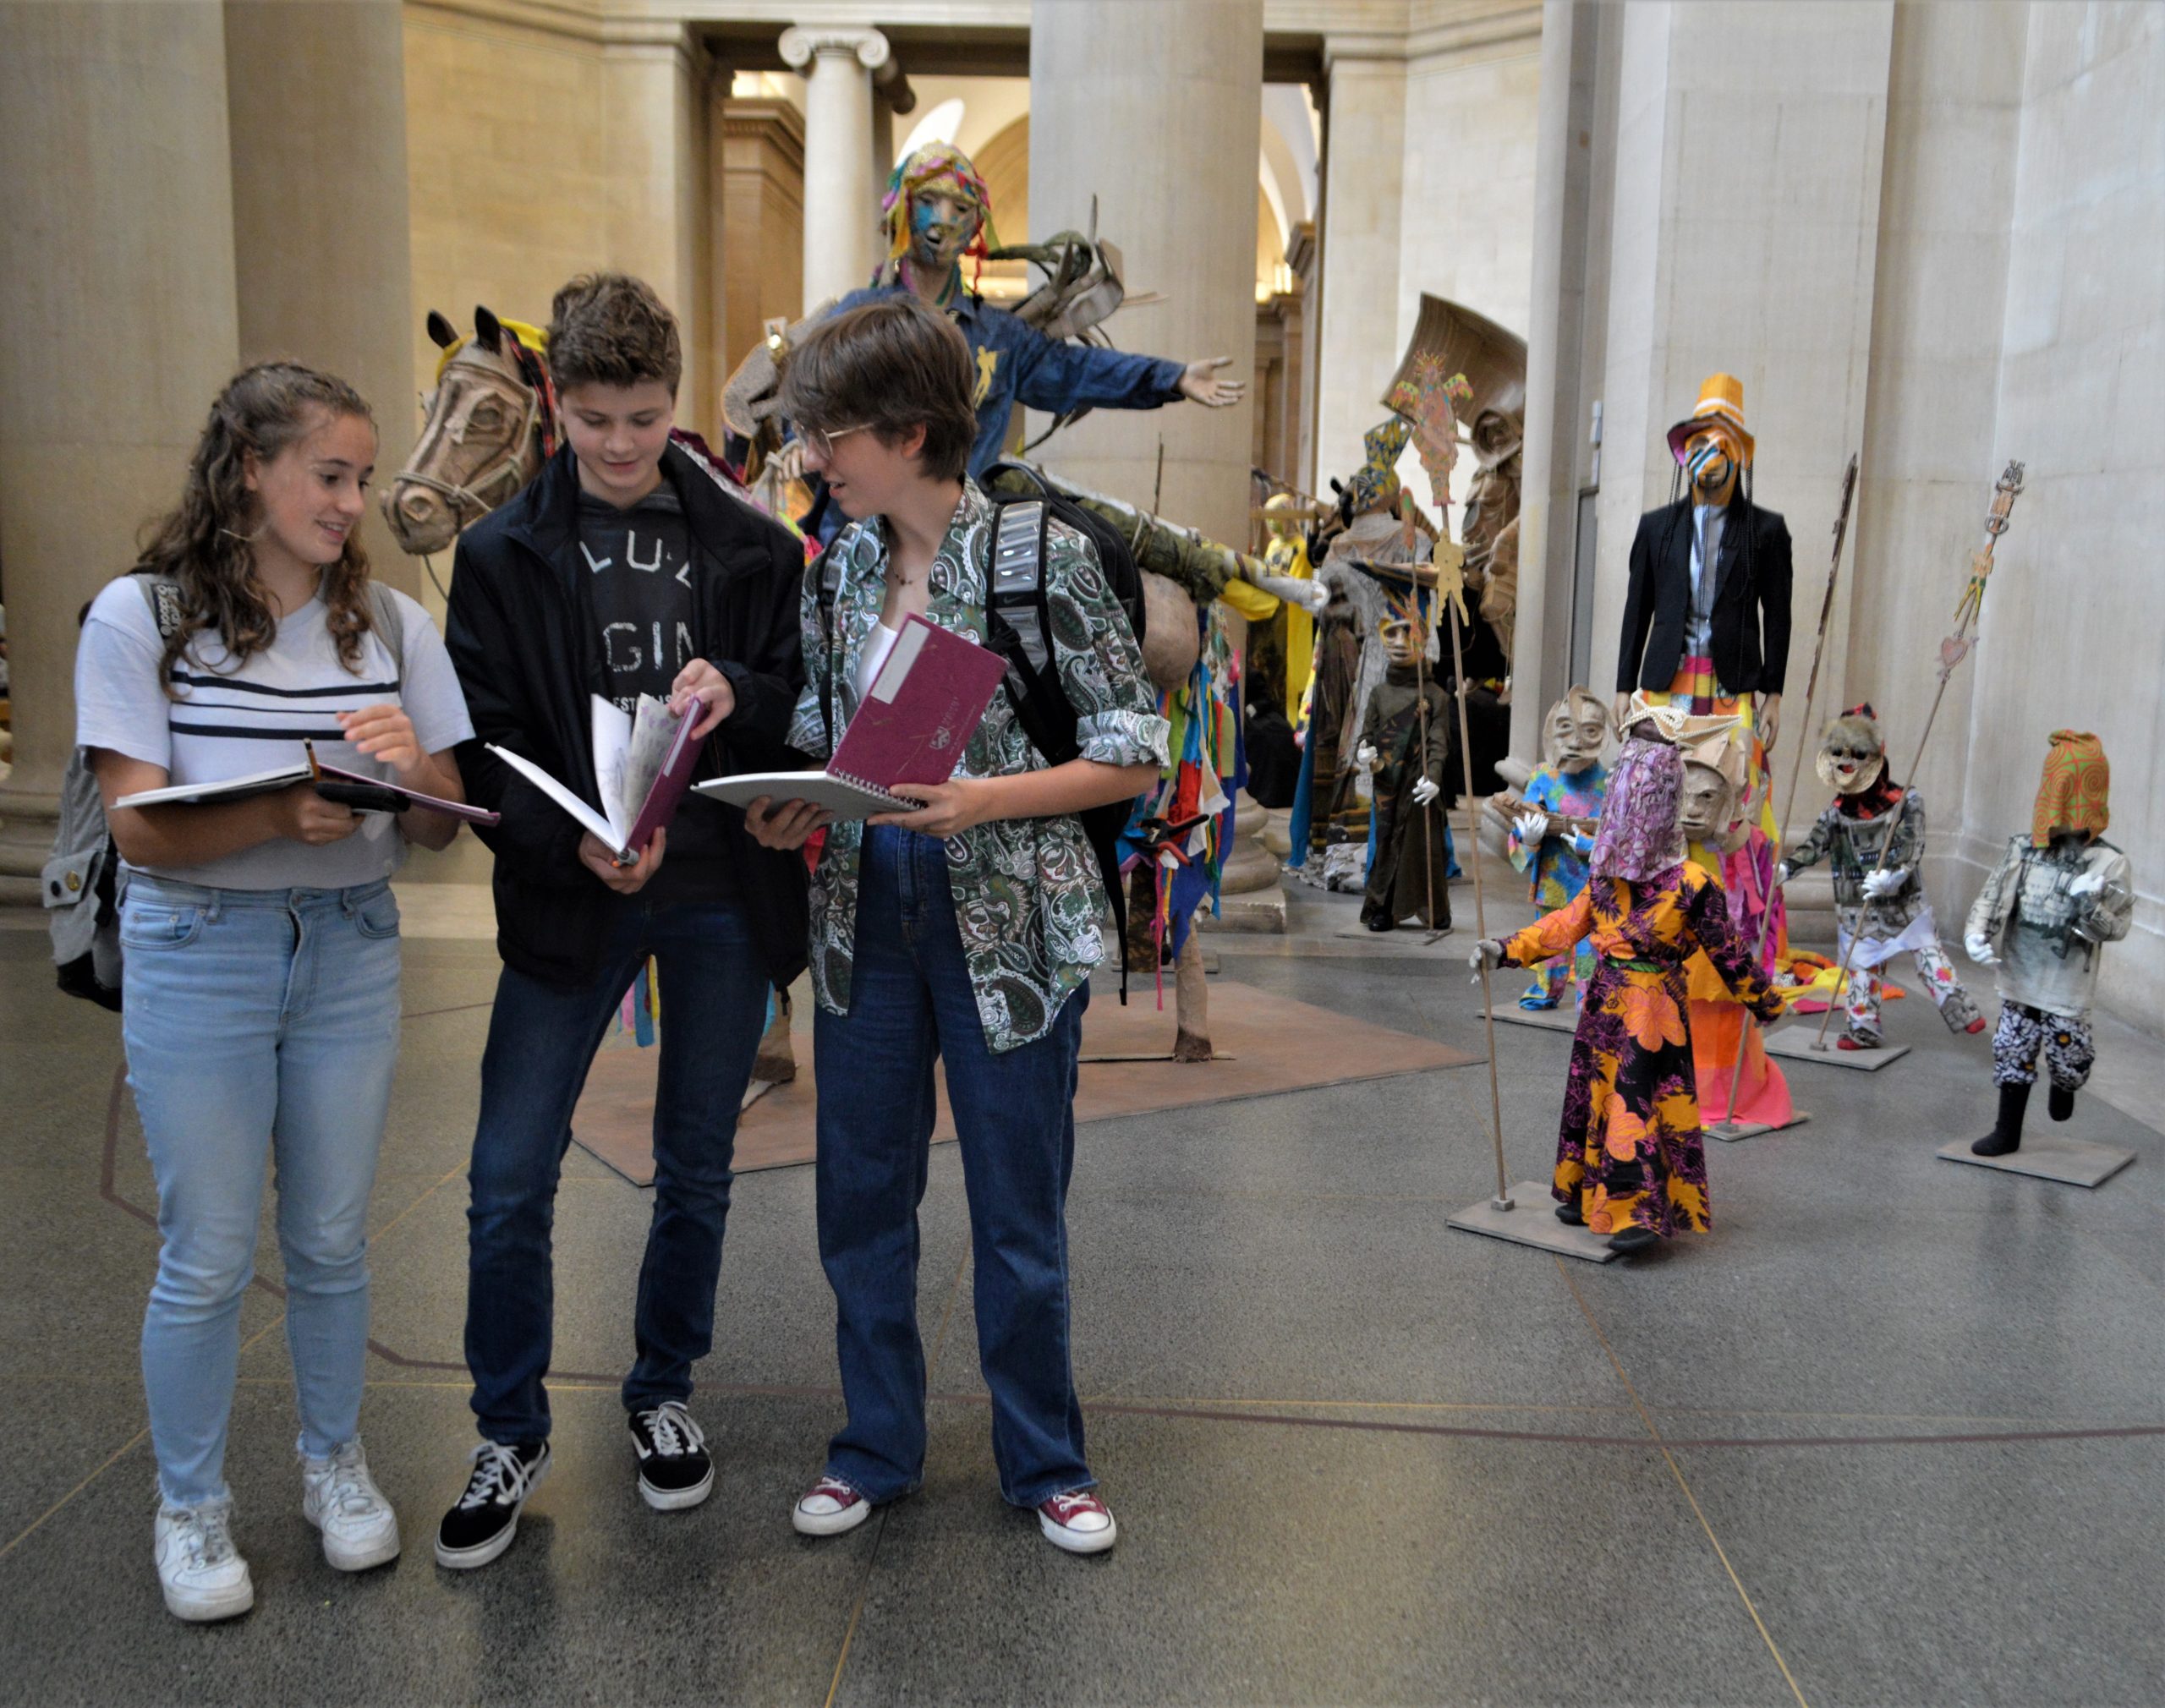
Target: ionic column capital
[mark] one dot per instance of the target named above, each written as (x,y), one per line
(800,42)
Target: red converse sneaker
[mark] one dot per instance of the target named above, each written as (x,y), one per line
(827,1508)
(1077,1522)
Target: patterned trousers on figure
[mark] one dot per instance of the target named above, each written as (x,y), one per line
(2024,1031)
(1955,1008)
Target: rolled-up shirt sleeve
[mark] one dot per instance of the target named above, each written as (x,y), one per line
(1117,719)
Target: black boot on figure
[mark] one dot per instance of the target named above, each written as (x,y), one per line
(2006,1137)
(2059,1102)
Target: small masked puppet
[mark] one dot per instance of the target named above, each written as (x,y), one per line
(2057,897)
(1716,767)
(1552,832)
(1287,555)
(1349,657)
(1406,745)
(1630,1159)
(1886,912)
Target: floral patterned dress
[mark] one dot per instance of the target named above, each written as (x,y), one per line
(1629,1152)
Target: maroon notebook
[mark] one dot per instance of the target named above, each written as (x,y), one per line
(924,704)
(921,710)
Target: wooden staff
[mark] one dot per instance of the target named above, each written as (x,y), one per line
(1796,772)
(1450,600)
(1951,651)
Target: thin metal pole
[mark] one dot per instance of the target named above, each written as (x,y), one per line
(1797,771)
(1951,651)
(1503,1198)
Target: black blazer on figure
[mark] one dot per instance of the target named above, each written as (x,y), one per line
(1751,600)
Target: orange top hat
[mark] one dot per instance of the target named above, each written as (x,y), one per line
(1721,398)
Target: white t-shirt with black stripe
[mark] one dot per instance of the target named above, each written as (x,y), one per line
(229,722)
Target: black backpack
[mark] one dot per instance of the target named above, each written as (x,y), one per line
(1018,626)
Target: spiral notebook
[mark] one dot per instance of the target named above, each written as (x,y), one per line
(916,718)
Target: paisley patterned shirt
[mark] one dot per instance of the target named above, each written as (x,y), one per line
(1027,890)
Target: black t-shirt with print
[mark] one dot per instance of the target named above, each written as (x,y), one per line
(638,585)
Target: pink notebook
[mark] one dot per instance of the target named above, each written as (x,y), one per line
(921,710)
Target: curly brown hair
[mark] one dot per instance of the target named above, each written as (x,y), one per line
(611,329)
(205,541)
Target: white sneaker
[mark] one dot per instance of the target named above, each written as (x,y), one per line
(341,1499)
(202,1574)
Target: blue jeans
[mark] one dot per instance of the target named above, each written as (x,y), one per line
(541,1042)
(259,1024)
(910,1003)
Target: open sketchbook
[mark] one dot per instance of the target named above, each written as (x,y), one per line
(363,793)
(643,763)
(916,718)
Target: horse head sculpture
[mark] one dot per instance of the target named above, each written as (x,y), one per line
(490,423)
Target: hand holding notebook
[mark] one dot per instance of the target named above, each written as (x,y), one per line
(353,789)
(642,764)
(916,720)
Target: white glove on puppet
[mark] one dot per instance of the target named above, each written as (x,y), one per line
(1878,885)
(1781,873)
(1531,826)
(1580,844)
(1486,952)
(1425,790)
(1366,756)
(2088,883)
(1978,951)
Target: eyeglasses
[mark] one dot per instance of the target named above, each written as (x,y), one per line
(821,443)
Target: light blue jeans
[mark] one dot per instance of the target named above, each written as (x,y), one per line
(260,1023)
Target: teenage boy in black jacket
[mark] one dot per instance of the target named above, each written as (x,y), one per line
(622,569)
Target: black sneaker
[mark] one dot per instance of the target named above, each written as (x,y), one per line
(675,1470)
(483,1524)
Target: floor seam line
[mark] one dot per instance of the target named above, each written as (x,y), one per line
(856,1612)
(1677,1471)
(120,1454)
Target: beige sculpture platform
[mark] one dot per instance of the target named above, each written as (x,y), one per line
(1532,1221)
(2048,1156)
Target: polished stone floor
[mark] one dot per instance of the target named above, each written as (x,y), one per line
(1894,1433)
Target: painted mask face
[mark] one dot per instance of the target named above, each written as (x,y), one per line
(1705,804)
(1401,639)
(1710,463)
(1573,732)
(943,222)
(1852,757)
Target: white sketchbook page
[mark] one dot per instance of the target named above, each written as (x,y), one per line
(227,789)
(654,731)
(562,796)
(842,798)
(612,745)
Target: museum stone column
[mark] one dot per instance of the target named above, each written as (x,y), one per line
(118,274)
(317,100)
(841,201)
(1158,112)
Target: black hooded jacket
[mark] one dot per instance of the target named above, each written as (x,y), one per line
(524,640)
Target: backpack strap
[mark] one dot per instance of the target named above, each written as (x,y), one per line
(162,593)
(826,589)
(390,626)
